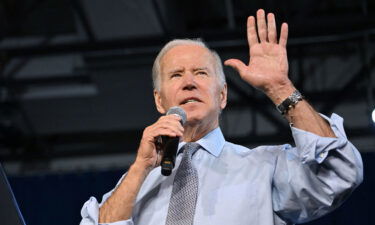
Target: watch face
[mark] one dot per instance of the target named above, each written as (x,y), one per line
(289,102)
(294,101)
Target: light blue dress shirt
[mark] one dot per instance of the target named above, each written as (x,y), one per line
(267,185)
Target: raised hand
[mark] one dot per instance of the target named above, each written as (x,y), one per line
(267,69)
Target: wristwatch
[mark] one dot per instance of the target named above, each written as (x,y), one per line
(289,102)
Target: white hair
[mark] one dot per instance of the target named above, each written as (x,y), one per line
(178,42)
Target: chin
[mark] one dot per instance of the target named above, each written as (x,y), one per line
(193,118)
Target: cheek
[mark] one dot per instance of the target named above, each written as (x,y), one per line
(215,95)
(169,98)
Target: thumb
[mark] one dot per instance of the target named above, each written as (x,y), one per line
(236,64)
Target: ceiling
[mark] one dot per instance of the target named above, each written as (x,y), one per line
(76,74)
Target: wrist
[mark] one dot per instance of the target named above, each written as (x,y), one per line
(141,167)
(279,92)
(289,103)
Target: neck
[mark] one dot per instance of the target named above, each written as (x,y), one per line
(195,131)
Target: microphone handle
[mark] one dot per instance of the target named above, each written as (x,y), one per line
(170,146)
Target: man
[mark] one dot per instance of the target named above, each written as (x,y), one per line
(235,185)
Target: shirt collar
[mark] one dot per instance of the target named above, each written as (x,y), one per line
(213,142)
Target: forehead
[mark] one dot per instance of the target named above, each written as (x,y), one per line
(186,56)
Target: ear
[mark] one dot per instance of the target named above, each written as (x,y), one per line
(223,97)
(158,102)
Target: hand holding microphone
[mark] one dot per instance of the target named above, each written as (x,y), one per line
(160,140)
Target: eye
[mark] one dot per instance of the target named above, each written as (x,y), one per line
(175,75)
(202,72)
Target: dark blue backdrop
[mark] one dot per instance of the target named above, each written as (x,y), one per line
(57,199)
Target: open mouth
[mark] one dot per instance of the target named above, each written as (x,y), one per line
(190,100)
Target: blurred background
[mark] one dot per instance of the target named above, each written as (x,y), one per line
(76,90)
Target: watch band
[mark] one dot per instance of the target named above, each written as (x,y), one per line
(289,102)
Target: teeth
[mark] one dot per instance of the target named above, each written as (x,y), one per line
(191,100)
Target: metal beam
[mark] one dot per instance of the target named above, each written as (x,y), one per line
(348,87)
(152,44)
(81,13)
(257,105)
(328,97)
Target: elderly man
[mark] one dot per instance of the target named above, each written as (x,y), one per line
(219,182)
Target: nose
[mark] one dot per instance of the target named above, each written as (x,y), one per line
(189,82)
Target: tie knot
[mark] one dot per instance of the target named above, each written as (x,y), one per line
(191,148)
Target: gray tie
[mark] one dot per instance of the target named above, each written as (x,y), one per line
(185,190)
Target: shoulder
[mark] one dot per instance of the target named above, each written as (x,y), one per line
(236,148)
(263,150)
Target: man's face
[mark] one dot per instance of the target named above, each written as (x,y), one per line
(188,80)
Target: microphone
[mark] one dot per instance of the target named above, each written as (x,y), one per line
(170,144)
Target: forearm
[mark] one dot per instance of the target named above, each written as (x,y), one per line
(302,115)
(120,205)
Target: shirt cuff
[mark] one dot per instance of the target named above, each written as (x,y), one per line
(313,148)
(90,214)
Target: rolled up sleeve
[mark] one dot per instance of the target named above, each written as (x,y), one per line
(90,211)
(317,175)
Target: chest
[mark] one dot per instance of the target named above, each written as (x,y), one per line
(234,189)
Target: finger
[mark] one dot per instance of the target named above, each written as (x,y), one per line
(252,36)
(158,130)
(171,127)
(262,28)
(170,124)
(165,131)
(283,35)
(272,37)
(174,116)
(170,117)
(171,121)
(236,64)
(176,119)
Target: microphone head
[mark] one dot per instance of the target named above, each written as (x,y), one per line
(179,112)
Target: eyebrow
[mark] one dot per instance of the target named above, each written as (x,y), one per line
(179,70)
(200,68)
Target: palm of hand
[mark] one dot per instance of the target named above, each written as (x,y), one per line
(268,64)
